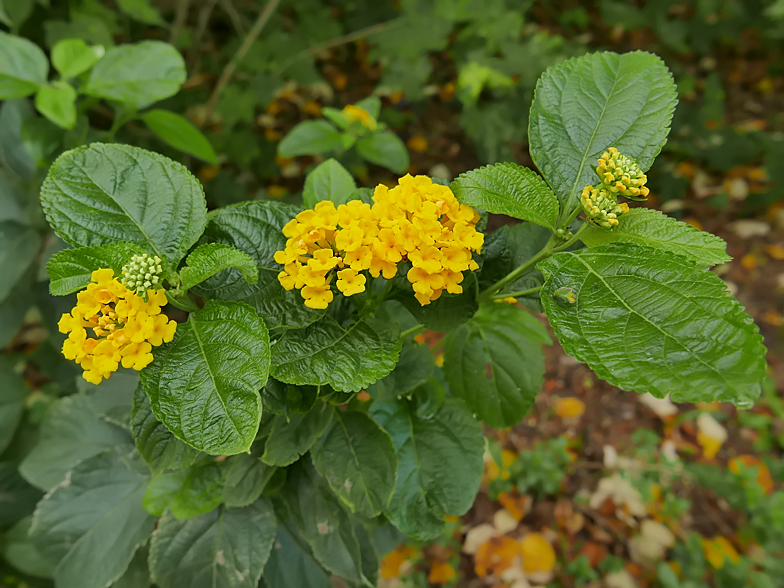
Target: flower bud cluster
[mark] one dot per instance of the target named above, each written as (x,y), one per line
(620,175)
(142,273)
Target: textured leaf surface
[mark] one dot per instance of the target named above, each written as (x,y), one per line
(201,490)
(23,67)
(291,564)
(292,436)
(207,260)
(310,137)
(138,74)
(256,228)
(495,363)
(156,444)
(94,524)
(71,432)
(385,149)
(19,246)
(70,270)
(325,353)
(204,385)
(101,194)
(440,465)
(180,133)
(651,228)
(13,393)
(587,104)
(329,181)
(358,460)
(651,321)
(225,548)
(510,189)
(246,477)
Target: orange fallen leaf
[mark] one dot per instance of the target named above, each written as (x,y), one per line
(208,172)
(718,549)
(517,504)
(417,143)
(538,553)
(493,471)
(363,396)
(764,478)
(595,552)
(750,261)
(312,107)
(711,435)
(569,408)
(693,222)
(496,555)
(393,562)
(775,250)
(441,572)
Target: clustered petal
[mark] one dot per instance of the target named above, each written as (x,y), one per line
(416,221)
(125,327)
(142,273)
(620,175)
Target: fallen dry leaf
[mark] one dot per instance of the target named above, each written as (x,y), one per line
(711,435)
(569,408)
(393,563)
(764,477)
(441,572)
(496,555)
(538,557)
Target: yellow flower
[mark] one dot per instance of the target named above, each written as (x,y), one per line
(354,113)
(350,282)
(317,297)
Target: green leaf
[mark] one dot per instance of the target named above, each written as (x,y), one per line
(19,247)
(247,477)
(329,181)
(348,359)
(292,436)
(137,575)
(371,105)
(495,363)
(510,189)
(138,75)
(385,149)
(94,523)
(142,11)
(13,394)
(101,194)
(291,564)
(180,133)
(449,311)
(57,102)
(162,490)
(70,270)
(72,57)
(207,260)
(440,465)
(310,137)
(23,67)
(257,229)
(225,548)
(358,460)
(651,228)
(651,321)
(414,368)
(20,552)
(18,497)
(324,524)
(587,104)
(155,443)
(201,490)
(70,433)
(280,398)
(204,385)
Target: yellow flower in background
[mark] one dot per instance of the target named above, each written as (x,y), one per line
(124,325)
(416,221)
(717,550)
(354,113)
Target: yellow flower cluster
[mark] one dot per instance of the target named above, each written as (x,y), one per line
(416,221)
(620,175)
(126,327)
(354,113)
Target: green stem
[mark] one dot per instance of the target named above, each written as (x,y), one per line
(412,332)
(570,218)
(182,301)
(503,295)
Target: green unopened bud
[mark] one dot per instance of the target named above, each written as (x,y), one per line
(601,206)
(622,175)
(141,273)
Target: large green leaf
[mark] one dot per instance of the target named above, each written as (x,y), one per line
(358,460)
(204,385)
(20,551)
(386,149)
(449,311)
(587,104)
(71,57)
(310,137)
(651,228)
(495,363)
(329,181)
(440,465)
(256,228)
(207,260)
(162,490)
(510,189)
(13,393)
(180,133)
(348,359)
(93,524)
(18,497)
(324,524)
(137,75)
(225,548)
(292,436)
(19,246)
(651,321)
(291,564)
(201,490)
(70,270)
(246,478)
(70,433)
(23,67)
(414,368)
(101,194)
(156,444)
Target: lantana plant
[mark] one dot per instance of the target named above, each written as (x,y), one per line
(289,417)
